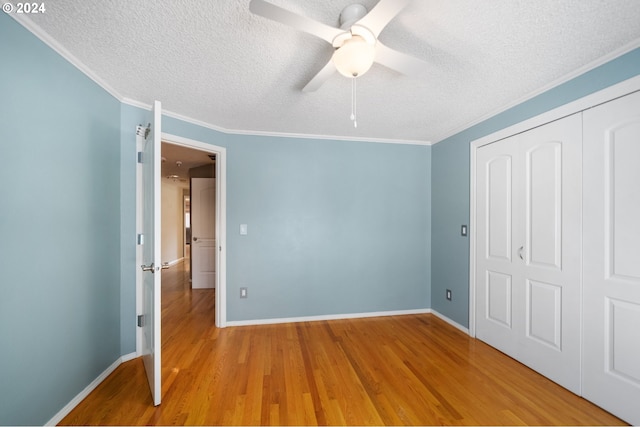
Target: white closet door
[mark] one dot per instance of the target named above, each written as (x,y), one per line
(549,238)
(528,248)
(497,273)
(611,355)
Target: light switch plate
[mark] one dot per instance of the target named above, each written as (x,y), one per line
(463,230)
(243,229)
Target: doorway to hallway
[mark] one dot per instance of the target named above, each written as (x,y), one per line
(179,234)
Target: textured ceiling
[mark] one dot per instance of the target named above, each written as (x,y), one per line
(216,62)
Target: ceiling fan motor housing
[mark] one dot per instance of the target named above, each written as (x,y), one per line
(351,14)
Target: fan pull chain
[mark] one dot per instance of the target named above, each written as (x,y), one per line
(353,103)
(353,116)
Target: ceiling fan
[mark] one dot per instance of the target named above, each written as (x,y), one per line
(356,42)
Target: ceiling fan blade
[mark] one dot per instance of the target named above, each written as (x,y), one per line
(299,22)
(401,62)
(322,76)
(381,14)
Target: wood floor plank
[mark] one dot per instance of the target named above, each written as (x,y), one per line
(397,370)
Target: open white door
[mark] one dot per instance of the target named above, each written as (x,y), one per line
(151,254)
(203,232)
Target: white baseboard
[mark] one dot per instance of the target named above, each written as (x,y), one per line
(451,322)
(175,261)
(88,389)
(327,317)
(128,357)
(348,316)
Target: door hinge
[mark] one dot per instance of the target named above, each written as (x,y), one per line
(140,320)
(142,131)
(140,239)
(139,156)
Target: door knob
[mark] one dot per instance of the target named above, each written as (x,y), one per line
(195,239)
(151,268)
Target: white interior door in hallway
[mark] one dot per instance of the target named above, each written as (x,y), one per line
(528,248)
(203,233)
(611,358)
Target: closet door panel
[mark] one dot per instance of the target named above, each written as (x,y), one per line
(544,313)
(551,211)
(622,157)
(498,308)
(543,224)
(544,204)
(621,347)
(498,209)
(495,267)
(611,271)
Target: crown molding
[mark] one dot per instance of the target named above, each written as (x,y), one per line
(332,137)
(227,131)
(567,77)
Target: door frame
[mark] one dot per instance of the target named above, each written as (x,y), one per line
(221,226)
(607,94)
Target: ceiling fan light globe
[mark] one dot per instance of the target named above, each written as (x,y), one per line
(354,57)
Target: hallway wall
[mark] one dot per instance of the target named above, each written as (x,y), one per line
(172,221)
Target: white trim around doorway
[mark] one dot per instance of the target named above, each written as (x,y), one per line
(221,214)
(221,226)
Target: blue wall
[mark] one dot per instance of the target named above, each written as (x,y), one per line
(450,174)
(335,227)
(59,229)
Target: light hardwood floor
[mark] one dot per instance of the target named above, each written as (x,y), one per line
(400,370)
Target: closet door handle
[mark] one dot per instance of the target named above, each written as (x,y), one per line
(520,252)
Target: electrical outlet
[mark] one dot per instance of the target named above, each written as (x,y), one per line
(448,294)
(243,293)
